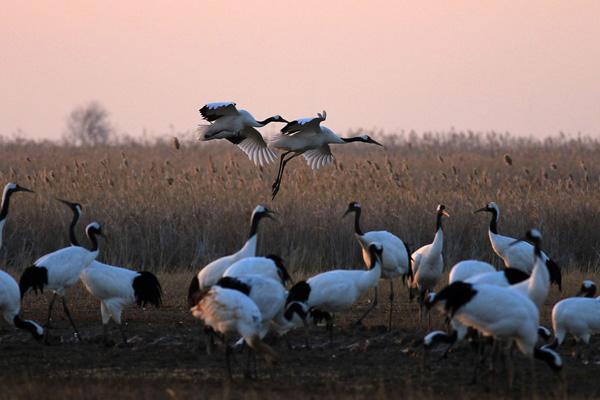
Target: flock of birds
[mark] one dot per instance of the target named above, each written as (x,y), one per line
(243,296)
(304,136)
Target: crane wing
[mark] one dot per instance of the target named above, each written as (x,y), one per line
(316,158)
(213,111)
(304,124)
(255,147)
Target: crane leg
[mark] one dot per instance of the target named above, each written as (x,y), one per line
(123,335)
(68,313)
(228,361)
(280,168)
(49,319)
(371,307)
(391,304)
(277,183)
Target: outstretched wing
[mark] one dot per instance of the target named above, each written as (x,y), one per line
(213,111)
(255,147)
(304,124)
(316,158)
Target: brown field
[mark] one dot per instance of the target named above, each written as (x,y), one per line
(363,362)
(171,211)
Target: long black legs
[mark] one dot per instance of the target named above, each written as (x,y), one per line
(77,335)
(282,164)
(371,307)
(391,305)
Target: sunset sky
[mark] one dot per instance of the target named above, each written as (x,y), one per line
(529,68)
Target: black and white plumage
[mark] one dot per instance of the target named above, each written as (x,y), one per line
(60,270)
(117,288)
(579,316)
(10,307)
(396,260)
(231,312)
(77,211)
(238,127)
(518,256)
(497,312)
(307,137)
(9,190)
(268,294)
(271,266)
(211,273)
(337,290)
(588,289)
(466,269)
(428,262)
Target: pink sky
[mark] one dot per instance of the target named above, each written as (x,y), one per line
(532,67)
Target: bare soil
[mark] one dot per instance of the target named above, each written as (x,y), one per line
(167,359)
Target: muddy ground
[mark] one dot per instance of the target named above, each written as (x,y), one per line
(164,360)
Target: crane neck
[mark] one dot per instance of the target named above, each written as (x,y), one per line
(438,222)
(494,222)
(357,229)
(72,236)
(93,240)
(353,139)
(5,204)
(267,121)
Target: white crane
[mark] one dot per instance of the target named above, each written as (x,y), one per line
(211,273)
(579,316)
(117,288)
(498,312)
(466,269)
(307,137)
(396,261)
(10,307)
(337,290)
(231,312)
(270,266)
(60,270)
(238,127)
(428,262)
(9,190)
(519,256)
(268,294)
(535,287)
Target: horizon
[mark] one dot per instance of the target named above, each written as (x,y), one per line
(529,70)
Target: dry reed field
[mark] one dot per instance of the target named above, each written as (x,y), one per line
(166,209)
(173,210)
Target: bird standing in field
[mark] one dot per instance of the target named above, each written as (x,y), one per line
(337,290)
(10,307)
(498,312)
(396,261)
(519,256)
(10,296)
(238,127)
(9,190)
(231,312)
(579,316)
(307,137)
(211,273)
(115,287)
(60,270)
(428,262)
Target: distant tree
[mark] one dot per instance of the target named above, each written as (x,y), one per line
(88,125)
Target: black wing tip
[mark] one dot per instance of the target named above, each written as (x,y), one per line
(147,289)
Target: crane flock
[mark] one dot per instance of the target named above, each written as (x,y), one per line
(242,297)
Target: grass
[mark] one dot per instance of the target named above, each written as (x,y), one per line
(166,209)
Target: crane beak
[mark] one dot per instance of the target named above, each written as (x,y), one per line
(445,214)
(24,189)
(272,215)
(348,211)
(377,143)
(480,210)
